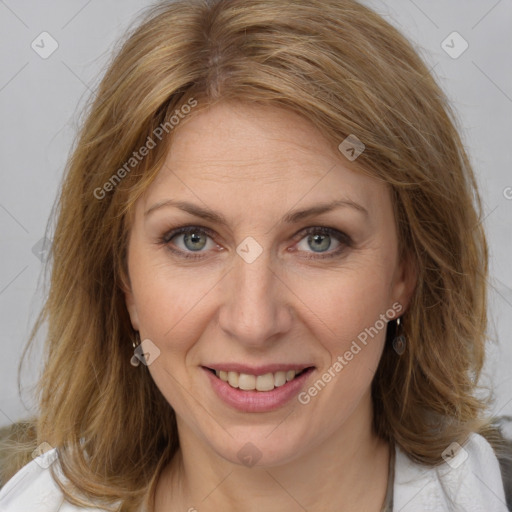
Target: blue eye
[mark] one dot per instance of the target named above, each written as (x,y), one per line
(193,242)
(194,239)
(320,240)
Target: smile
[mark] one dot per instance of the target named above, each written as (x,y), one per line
(265,382)
(257,390)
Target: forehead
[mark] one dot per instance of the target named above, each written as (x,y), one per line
(237,153)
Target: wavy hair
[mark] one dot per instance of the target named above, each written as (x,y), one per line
(345,69)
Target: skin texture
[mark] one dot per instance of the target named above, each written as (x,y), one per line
(254,165)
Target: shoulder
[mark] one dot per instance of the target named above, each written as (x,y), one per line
(469,479)
(33,488)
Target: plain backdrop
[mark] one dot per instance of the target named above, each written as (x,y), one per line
(40,99)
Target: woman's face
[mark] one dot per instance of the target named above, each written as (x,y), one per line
(271,281)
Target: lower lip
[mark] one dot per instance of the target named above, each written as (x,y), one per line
(257,401)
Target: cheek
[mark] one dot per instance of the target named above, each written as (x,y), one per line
(170,301)
(347,304)
(347,316)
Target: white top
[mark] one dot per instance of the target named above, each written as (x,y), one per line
(469,481)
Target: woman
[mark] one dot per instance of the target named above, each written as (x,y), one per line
(269,214)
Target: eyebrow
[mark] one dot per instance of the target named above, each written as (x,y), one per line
(291,217)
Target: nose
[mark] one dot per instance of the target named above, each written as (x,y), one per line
(256,308)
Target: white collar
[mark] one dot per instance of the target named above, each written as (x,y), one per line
(469,481)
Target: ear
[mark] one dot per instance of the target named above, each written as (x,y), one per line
(131,305)
(405,280)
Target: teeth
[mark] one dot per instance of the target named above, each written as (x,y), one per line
(233,379)
(265,382)
(279,379)
(247,382)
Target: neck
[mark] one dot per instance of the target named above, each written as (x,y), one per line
(347,472)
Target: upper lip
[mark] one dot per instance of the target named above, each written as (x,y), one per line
(257,370)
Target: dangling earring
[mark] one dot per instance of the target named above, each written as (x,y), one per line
(399,341)
(134,361)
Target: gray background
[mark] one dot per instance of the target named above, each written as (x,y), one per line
(40,100)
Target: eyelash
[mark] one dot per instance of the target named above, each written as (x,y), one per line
(342,238)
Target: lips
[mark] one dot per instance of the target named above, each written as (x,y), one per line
(257,389)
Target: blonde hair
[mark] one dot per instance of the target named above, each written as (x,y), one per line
(347,71)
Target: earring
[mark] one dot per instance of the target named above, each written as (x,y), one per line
(399,341)
(134,361)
